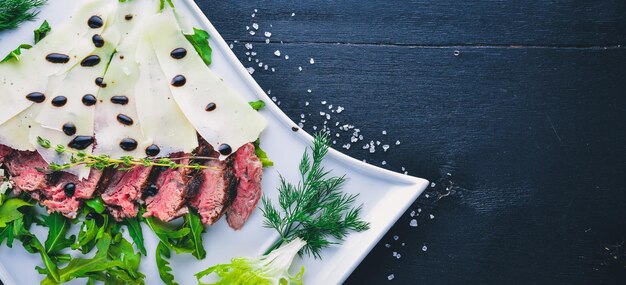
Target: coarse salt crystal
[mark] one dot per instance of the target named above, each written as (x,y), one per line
(277,53)
(340,109)
(412,214)
(255,10)
(385,147)
(432,184)
(273,69)
(301,125)
(322,113)
(377,142)
(267,41)
(384,132)
(300,68)
(286,56)
(274,98)
(250,70)
(256,60)
(255,26)
(327,116)
(366,146)
(397,142)
(260,64)
(308,90)
(314,128)
(387,245)
(252,33)
(403,169)
(253,15)
(268,34)
(396,237)
(265,67)
(248,46)
(384,163)
(306,103)
(346,146)
(312,61)
(398,256)
(293,14)
(323,102)
(302,115)
(253,53)
(231,46)
(394,254)
(419,210)
(424,248)
(432,216)
(390,277)
(413,223)
(247,28)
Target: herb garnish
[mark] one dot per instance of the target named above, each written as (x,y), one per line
(40,33)
(81,158)
(315,209)
(15,12)
(200,42)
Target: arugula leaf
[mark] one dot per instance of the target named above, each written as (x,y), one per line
(33,245)
(193,222)
(162,4)
(136,233)
(96,204)
(262,155)
(200,41)
(173,239)
(9,211)
(57,240)
(86,236)
(15,54)
(165,271)
(7,233)
(123,250)
(42,31)
(257,105)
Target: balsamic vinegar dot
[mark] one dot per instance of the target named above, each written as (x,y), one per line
(36,97)
(179,81)
(69,129)
(125,120)
(210,107)
(98,41)
(69,189)
(95,22)
(225,149)
(81,142)
(128,144)
(295,129)
(153,150)
(57,58)
(59,101)
(178,53)
(89,100)
(91,60)
(100,82)
(151,190)
(120,100)
(128,17)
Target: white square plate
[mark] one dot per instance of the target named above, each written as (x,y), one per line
(385,195)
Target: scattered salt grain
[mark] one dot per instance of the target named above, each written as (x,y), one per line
(248,46)
(300,68)
(340,109)
(419,210)
(412,214)
(257,60)
(432,184)
(385,147)
(394,254)
(265,67)
(277,53)
(247,28)
(250,70)
(390,277)
(413,223)
(387,245)
(432,216)
(384,163)
(346,146)
(322,114)
(384,132)
(274,99)
(424,248)
(260,64)
(306,103)
(268,34)
(253,15)
(273,69)
(267,41)
(323,102)
(403,244)
(314,128)
(457,53)
(255,26)
(397,142)
(403,169)
(398,256)
(293,14)
(308,90)
(252,33)
(396,237)
(312,61)
(231,46)
(256,10)
(301,125)
(286,56)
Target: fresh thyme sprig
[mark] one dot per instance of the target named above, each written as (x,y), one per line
(81,158)
(315,209)
(15,12)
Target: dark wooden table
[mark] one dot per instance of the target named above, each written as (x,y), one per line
(516,109)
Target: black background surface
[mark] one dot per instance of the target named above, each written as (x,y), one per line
(522,103)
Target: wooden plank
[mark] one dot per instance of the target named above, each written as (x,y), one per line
(533,137)
(426,22)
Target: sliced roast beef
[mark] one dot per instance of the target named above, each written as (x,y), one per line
(5,151)
(124,190)
(168,202)
(248,170)
(215,188)
(24,168)
(61,198)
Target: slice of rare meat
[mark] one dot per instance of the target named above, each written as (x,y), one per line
(5,152)
(168,202)
(248,170)
(214,188)
(124,190)
(64,195)
(24,168)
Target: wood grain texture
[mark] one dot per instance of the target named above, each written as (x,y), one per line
(530,138)
(428,22)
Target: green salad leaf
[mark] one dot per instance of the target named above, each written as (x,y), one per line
(200,41)
(42,31)
(257,105)
(15,54)
(57,230)
(262,155)
(136,233)
(196,228)
(165,271)
(96,204)
(9,210)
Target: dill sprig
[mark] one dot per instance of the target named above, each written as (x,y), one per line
(81,158)
(15,12)
(315,209)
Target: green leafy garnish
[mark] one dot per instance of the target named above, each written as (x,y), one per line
(15,12)
(315,209)
(97,204)
(57,230)
(42,32)
(33,245)
(269,269)
(196,228)
(257,105)
(9,211)
(15,54)
(262,155)
(200,42)
(165,271)
(136,233)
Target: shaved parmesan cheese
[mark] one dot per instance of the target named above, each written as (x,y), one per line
(162,120)
(232,122)
(14,133)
